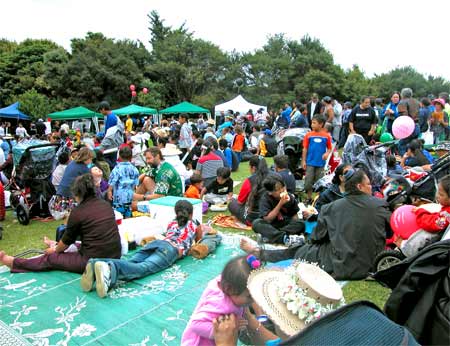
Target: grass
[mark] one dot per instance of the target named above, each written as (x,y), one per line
(18,238)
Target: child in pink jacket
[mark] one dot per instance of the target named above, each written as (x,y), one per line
(226,294)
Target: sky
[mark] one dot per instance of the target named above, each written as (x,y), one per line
(377,35)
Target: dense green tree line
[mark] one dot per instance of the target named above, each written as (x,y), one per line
(45,77)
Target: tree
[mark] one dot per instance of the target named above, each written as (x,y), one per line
(34,104)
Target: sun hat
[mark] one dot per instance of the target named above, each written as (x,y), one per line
(161,132)
(170,150)
(295,296)
(210,121)
(440,101)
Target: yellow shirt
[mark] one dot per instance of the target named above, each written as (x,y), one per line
(262,148)
(129,125)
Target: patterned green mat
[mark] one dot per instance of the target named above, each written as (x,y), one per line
(50,309)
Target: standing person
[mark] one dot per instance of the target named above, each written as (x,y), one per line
(438,121)
(238,142)
(129,124)
(92,221)
(2,129)
(390,111)
(345,120)
(40,128)
(363,120)
(152,258)
(408,105)
(185,142)
(313,107)
(316,148)
(111,119)
(424,114)
(21,131)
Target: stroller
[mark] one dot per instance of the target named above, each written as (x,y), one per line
(30,185)
(290,143)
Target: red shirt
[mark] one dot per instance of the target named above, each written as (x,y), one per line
(433,222)
(245,191)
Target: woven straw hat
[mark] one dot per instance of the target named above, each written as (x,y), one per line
(264,286)
(170,150)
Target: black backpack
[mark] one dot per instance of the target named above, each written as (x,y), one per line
(271,146)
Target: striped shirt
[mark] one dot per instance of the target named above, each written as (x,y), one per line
(208,164)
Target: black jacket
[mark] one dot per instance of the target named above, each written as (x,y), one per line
(420,299)
(329,195)
(317,110)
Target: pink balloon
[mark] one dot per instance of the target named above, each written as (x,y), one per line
(133,93)
(403,127)
(132,87)
(145,90)
(403,221)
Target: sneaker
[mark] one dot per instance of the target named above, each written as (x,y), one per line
(87,279)
(294,239)
(103,278)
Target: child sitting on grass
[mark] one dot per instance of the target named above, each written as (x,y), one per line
(195,188)
(220,190)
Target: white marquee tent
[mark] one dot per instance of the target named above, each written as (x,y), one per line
(238,104)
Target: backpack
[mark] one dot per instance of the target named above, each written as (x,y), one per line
(271,146)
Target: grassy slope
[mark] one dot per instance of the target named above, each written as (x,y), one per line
(18,238)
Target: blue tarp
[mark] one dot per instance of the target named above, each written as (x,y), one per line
(12,111)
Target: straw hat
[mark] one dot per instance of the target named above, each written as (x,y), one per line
(170,150)
(295,296)
(210,122)
(161,132)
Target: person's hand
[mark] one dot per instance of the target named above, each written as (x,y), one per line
(306,214)
(225,330)
(304,165)
(109,196)
(371,132)
(50,250)
(325,156)
(284,198)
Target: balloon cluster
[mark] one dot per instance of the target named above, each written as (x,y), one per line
(134,92)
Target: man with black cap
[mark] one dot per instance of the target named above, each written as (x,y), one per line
(111,119)
(40,128)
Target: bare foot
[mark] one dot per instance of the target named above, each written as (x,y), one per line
(5,259)
(49,242)
(246,246)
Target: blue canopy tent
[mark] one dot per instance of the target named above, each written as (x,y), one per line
(12,112)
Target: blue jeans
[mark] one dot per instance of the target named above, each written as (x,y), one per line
(152,258)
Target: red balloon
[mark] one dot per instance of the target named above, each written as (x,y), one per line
(133,93)
(132,87)
(403,221)
(145,90)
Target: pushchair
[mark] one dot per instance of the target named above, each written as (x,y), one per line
(290,143)
(30,185)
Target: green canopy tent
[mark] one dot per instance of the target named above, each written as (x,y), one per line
(185,107)
(75,114)
(135,109)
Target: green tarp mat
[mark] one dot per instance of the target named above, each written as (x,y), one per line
(74,113)
(184,107)
(134,109)
(49,308)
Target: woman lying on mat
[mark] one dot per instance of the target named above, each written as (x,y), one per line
(92,221)
(152,258)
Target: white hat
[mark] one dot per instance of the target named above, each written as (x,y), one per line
(210,121)
(295,296)
(170,150)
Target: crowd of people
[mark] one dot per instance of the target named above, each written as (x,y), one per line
(196,159)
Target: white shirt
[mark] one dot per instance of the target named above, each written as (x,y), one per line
(313,108)
(65,127)
(21,132)
(2,131)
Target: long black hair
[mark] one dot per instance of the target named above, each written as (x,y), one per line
(339,171)
(183,212)
(261,173)
(416,147)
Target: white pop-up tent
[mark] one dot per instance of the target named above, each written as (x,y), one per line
(238,104)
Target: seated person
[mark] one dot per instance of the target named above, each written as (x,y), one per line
(230,156)
(267,144)
(220,190)
(63,161)
(393,168)
(208,163)
(194,190)
(350,233)
(414,156)
(281,163)
(278,213)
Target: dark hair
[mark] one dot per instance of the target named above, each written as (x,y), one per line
(154,151)
(223,143)
(99,156)
(416,147)
(104,105)
(224,172)
(162,140)
(213,142)
(235,276)
(339,171)
(183,212)
(320,119)
(391,161)
(281,161)
(261,173)
(125,153)
(365,98)
(301,109)
(196,178)
(63,158)
(352,180)
(196,133)
(184,116)
(425,101)
(445,183)
(271,182)
(83,187)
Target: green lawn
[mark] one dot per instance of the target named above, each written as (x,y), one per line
(18,238)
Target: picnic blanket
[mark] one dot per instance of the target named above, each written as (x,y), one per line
(49,308)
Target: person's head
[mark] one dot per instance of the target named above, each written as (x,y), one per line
(183,212)
(444,96)
(128,116)
(274,185)
(303,110)
(63,158)
(395,97)
(348,105)
(223,144)
(225,130)
(314,98)
(443,192)
(83,187)
(339,172)
(439,104)
(207,147)
(318,122)
(161,142)
(197,180)
(365,102)
(281,162)
(328,127)
(223,174)
(153,156)
(414,148)
(84,155)
(391,161)
(196,134)
(406,93)
(378,101)
(125,153)
(357,182)
(256,128)
(104,107)
(327,100)
(238,129)
(425,101)
(183,118)
(256,163)
(233,281)
(97,175)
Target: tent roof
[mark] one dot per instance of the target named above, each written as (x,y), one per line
(238,104)
(12,111)
(135,109)
(184,107)
(74,113)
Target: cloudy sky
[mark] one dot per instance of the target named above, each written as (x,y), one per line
(378,35)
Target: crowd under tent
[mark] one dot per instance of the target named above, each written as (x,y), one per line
(80,116)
